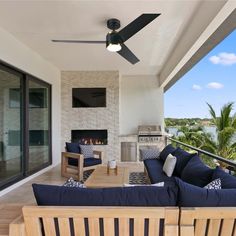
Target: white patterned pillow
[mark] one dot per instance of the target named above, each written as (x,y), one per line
(149,153)
(215,184)
(169,165)
(73,183)
(86,150)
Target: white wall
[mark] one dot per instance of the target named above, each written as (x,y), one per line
(19,55)
(141,102)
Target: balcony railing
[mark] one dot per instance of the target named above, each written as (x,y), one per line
(230,163)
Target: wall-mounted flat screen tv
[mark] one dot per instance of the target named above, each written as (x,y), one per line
(89,97)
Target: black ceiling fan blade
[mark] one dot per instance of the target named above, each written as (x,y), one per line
(136,25)
(78,41)
(128,55)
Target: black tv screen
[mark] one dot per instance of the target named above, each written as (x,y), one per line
(89,97)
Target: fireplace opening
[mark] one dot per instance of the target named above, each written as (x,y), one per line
(87,137)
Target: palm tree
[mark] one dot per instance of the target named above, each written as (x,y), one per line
(191,135)
(225,124)
(196,137)
(224,144)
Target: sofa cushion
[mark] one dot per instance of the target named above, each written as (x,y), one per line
(149,153)
(183,158)
(92,161)
(72,147)
(194,196)
(196,172)
(86,150)
(169,149)
(49,195)
(156,174)
(169,165)
(227,180)
(87,161)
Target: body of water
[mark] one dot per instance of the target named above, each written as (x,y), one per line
(209,129)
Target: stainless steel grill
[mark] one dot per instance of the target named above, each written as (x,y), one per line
(149,133)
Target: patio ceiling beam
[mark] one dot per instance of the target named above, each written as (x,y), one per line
(222,25)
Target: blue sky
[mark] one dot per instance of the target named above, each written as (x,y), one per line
(211,80)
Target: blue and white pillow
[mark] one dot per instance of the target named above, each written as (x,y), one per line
(215,184)
(73,183)
(149,153)
(86,150)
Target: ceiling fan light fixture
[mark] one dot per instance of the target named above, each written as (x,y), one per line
(113,47)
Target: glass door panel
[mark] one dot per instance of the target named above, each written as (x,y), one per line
(10,126)
(39,125)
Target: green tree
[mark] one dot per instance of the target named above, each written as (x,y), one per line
(196,137)
(226,128)
(224,145)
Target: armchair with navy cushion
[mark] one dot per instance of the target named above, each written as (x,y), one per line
(79,158)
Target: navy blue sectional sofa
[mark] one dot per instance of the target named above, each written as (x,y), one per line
(190,176)
(184,188)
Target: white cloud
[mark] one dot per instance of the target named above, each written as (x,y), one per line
(224,58)
(215,85)
(196,87)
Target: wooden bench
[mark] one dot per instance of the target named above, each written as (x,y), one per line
(95,220)
(208,221)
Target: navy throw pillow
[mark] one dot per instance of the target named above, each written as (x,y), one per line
(196,172)
(73,147)
(49,195)
(194,196)
(183,158)
(227,180)
(169,149)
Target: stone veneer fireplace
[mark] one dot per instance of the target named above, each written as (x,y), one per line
(99,118)
(87,137)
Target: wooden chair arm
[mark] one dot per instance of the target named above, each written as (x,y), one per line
(100,154)
(72,155)
(17,227)
(77,156)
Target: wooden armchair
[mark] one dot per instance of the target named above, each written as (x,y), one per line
(74,164)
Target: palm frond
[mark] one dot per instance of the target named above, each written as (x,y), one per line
(225,137)
(212,111)
(225,119)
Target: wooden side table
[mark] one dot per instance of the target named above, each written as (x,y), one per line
(112,169)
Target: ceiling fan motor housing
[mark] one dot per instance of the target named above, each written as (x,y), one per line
(113,38)
(113,24)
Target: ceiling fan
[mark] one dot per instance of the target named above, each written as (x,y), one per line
(115,40)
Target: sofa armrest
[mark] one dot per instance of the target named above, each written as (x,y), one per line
(17,227)
(100,154)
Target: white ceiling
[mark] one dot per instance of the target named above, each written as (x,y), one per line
(35,23)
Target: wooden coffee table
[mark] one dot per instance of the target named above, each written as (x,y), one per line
(100,179)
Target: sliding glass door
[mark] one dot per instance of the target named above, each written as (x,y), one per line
(11,148)
(25,125)
(39,124)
